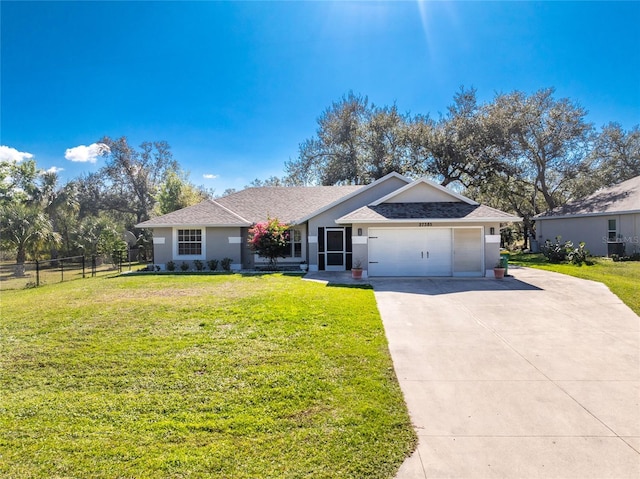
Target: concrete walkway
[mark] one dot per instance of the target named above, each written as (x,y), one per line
(535,376)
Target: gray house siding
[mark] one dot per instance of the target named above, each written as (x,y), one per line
(594,231)
(491,247)
(327,219)
(225,243)
(246,254)
(608,221)
(162,246)
(218,243)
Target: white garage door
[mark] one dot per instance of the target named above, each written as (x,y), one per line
(468,258)
(410,252)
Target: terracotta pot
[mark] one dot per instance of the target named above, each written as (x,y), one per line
(498,273)
(356,273)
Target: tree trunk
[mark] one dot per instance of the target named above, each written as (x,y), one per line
(19,270)
(21,257)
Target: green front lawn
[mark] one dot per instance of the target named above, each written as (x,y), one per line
(197,376)
(622,278)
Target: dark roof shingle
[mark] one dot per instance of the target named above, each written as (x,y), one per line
(449,210)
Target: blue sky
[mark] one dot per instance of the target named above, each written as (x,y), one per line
(235,87)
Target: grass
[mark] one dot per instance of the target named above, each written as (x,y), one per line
(51,275)
(197,376)
(622,278)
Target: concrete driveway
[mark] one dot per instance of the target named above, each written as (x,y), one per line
(535,376)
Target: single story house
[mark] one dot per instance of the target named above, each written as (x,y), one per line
(392,227)
(608,221)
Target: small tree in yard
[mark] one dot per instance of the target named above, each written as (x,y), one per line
(270,239)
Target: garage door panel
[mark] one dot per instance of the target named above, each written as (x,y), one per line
(468,248)
(386,258)
(439,252)
(410,252)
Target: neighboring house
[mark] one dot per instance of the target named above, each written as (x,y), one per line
(392,227)
(608,221)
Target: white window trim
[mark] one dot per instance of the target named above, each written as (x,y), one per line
(189,257)
(287,259)
(616,231)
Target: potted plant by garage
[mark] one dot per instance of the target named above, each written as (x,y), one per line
(498,270)
(356,269)
(303,266)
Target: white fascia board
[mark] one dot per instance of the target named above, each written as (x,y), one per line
(351,195)
(427,182)
(431,220)
(586,215)
(192,226)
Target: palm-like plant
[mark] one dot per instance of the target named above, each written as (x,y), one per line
(60,205)
(25,228)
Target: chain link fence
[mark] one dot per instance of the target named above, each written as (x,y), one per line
(37,273)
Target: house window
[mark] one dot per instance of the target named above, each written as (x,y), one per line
(296,243)
(613,231)
(190,242)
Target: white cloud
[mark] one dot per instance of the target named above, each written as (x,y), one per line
(209,176)
(55,169)
(84,154)
(12,155)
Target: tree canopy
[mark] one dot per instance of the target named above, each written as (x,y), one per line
(40,217)
(356,143)
(522,153)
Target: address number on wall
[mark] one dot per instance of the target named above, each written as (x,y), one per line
(425,224)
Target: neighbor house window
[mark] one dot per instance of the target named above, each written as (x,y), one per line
(613,231)
(189,242)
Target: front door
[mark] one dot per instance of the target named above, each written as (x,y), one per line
(335,249)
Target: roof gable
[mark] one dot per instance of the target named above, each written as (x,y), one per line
(621,198)
(423,191)
(371,186)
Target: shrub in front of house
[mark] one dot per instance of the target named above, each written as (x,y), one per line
(184,266)
(554,252)
(213,264)
(270,239)
(198,265)
(226,264)
(578,255)
(558,252)
(632,257)
(171,266)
